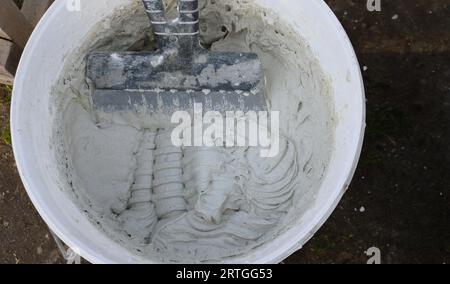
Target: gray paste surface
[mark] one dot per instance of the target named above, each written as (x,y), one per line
(196,204)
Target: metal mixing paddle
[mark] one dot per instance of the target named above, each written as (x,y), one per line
(178,74)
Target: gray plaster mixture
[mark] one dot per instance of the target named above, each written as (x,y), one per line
(172,204)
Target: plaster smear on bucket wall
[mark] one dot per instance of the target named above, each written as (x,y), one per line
(196,204)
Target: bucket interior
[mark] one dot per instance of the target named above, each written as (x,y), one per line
(80,174)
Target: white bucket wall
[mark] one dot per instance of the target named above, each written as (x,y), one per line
(60,32)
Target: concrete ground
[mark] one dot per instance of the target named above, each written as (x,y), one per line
(399,200)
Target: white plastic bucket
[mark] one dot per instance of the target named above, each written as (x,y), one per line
(60,32)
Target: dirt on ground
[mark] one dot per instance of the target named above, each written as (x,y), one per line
(399,199)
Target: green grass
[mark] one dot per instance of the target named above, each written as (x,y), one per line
(6,92)
(5,135)
(5,102)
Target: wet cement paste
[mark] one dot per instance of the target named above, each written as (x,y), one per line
(195,204)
